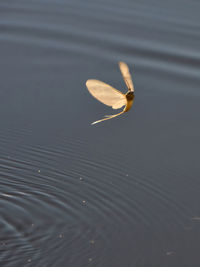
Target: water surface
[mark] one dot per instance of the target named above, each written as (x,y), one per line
(121,193)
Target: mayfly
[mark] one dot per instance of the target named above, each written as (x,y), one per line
(111,96)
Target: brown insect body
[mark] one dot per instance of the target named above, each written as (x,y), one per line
(130,98)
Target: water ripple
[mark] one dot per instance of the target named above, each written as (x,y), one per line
(69,207)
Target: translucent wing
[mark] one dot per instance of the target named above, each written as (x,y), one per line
(126,76)
(106,94)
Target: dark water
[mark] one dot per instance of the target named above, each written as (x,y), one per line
(125,192)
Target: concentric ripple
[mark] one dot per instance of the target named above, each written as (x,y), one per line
(61,201)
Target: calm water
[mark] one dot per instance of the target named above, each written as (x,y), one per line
(125,192)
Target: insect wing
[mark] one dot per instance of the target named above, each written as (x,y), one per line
(126,76)
(106,94)
(119,104)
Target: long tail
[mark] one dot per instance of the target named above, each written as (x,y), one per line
(108,117)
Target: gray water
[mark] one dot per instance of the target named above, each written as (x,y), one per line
(124,192)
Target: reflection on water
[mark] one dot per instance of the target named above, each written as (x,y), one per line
(123,193)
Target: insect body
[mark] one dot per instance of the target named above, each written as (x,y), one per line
(110,96)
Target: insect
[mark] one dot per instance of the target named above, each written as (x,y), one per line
(110,96)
